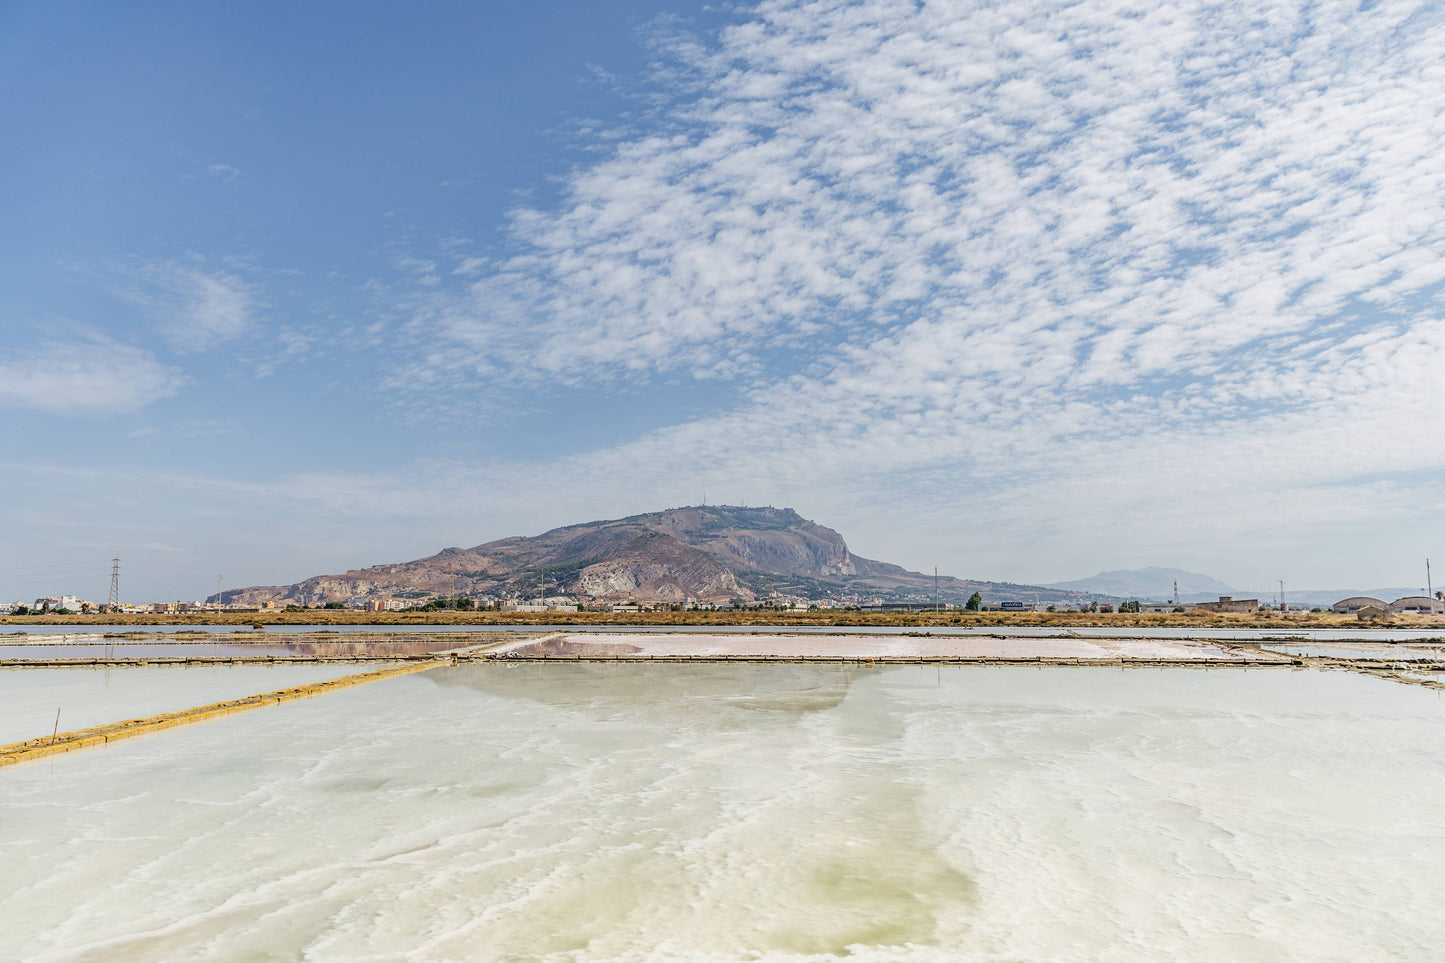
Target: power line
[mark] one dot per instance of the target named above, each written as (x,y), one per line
(61,567)
(90,576)
(12,584)
(114,597)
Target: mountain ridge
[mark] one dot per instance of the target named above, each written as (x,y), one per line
(713,553)
(1154,582)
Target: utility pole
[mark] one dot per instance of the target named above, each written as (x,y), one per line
(1429,587)
(935,590)
(113,599)
(1282,606)
(1176,591)
(220,591)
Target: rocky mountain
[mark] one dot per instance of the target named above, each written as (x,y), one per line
(712,552)
(1150,583)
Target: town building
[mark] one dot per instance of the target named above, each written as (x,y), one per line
(706,605)
(551,605)
(71,603)
(1228,603)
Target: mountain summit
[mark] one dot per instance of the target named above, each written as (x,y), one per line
(1150,583)
(709,552)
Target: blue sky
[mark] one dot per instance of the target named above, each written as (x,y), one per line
(1025,290)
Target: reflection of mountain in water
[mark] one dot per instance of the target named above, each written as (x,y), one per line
(793,688)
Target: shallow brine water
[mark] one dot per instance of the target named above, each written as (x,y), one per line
(39,702)
(222,649)
(1361,651)
(724,812)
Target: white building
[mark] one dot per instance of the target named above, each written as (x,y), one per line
(57,602)
(388,605)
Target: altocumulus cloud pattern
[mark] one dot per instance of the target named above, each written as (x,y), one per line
(1022,289)
(1047,255)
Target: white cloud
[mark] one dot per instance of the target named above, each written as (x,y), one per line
(197,307)
(1063,263)
(93,378)
(1015,287)
(1127,193)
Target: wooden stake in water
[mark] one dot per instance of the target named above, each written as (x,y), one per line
(57,727)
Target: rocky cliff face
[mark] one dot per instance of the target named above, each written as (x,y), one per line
(659,567)
(712,553)
(761,539)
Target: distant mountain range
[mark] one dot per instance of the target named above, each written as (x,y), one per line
(1324,598)
(1157,584)
(1150,584)
(712,552)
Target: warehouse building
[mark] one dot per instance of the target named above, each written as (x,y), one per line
(1354,603)
(1228,603)
(1416,605)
